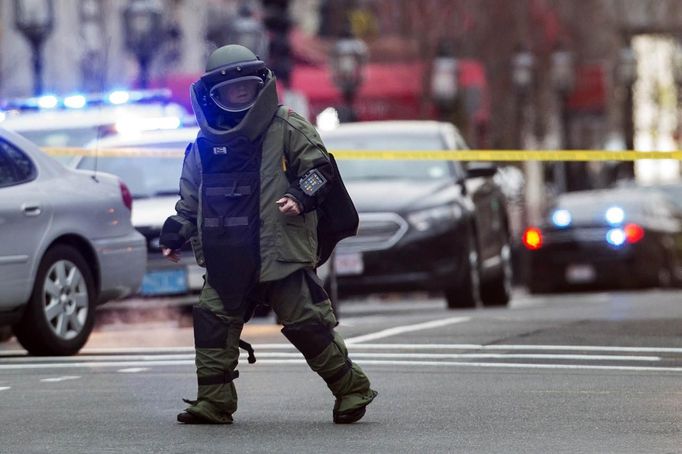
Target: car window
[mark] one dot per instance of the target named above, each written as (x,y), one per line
(144,176)
(15,166)
(393,169)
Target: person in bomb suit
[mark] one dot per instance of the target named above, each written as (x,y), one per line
(251,187)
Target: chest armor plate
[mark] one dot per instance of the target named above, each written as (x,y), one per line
(230,210)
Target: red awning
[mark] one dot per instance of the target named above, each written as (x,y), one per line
(388,91)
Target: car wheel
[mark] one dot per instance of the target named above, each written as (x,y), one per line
(61,312)
(466,293)
(497,291)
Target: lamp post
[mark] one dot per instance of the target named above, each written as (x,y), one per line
(563,80)
(249,31)
(347,61)
(627,75)
(92,64)
(522,68)
(142,20)
(444,82)
(523,65)
(35,19)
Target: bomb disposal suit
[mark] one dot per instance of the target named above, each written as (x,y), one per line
(250,155)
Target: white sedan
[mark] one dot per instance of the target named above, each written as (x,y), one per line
(66,245)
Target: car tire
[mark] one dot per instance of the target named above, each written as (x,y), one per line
(466,293)
(60,315)
(497,291)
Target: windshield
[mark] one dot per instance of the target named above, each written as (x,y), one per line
(74,137)
(144,176)
(394,169)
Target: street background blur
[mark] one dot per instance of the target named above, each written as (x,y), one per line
(523,74)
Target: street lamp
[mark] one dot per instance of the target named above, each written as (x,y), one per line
(92,62)
(142,20)
(563,79)
(522,76)
(626,74)
(523,65)
(35,19)
(444,82)
(347,62)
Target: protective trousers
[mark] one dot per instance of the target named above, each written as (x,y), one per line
(303,307)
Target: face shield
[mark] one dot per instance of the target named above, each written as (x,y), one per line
(236,95)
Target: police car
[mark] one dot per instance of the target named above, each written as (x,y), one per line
(76,120)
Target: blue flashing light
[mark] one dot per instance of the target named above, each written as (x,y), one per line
(48,102)
(615,216)
(561,218)
(119,97)
(75,102)
(616,237)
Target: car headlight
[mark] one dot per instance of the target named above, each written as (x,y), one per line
(427,219)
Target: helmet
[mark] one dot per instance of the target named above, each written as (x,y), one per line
(234,77)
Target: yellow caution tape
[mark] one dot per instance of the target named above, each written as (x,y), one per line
(411,155)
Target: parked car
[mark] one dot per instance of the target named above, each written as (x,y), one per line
(435,225)
(624,237)
(150,164)
(67,245)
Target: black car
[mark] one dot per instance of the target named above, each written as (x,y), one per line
(431,225)
(625,237)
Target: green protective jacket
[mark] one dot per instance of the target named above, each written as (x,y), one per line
(291,147)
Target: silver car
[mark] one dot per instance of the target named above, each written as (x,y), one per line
(66,245)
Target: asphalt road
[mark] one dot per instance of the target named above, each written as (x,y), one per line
(583,373)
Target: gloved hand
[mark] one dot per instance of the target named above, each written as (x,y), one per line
(170,234)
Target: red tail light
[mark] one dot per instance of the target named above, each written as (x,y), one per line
(532,238)
(633,233)
(126,195)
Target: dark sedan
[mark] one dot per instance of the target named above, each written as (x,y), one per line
(424,224)
(610,238)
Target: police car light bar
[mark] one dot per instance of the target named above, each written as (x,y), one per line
(79,101)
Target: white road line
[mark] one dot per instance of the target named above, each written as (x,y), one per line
(183,352)
(85,358)
(133,370)
(504,356)
(586,348)
(406,329)
(5,388)
(58,379)
(381,363)
(524,366)
(266,354)
(96,364)
(20,355)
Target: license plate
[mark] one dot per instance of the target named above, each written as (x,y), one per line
(348,264)
(164,282)
(580,274)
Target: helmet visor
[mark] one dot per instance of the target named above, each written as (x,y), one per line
(236,95)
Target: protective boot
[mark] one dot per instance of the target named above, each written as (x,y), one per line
(216,338)
(351,416)
(190,418)
(305,310)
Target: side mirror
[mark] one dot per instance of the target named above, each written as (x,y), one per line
(480,170)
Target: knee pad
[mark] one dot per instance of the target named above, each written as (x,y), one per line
(310,339)
(209,330)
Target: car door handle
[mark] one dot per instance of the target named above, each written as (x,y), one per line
(30,209)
